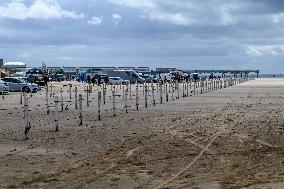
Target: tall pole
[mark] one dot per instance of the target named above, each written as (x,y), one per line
(56,116)
(46,99)
(61,97)
(27,125)
(80,110)
(99,104)
(137,97)
(113,102)
(76,98)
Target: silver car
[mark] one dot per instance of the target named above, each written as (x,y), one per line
(16,84)
(4,87)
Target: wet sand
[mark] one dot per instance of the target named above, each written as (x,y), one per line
(230,138)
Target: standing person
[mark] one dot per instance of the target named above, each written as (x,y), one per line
(88,79)
(99,80)
(93,80)
(106,79)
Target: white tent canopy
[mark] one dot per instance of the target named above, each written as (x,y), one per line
(14,65)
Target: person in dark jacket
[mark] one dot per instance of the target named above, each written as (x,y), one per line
(88,79)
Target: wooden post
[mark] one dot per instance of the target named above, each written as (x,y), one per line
(61,97)
(99,104)
(70,91)
(123,95)
(201,87)
(194,87)
(183,89)
(177,85)
(56,116)
(172,91)
(137,96)
(153,93)
(27,125)
(113,102)
(161,95)
(146,96)
(148,87)
(80,110)
(157,86)
(104,93)
(130,95)
(187,88)
(21,97)
(167,94)
(143,89)
(46,100)
(51,90)
(88,96)
(76,98)
(126,101)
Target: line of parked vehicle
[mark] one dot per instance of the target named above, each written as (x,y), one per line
(17,84)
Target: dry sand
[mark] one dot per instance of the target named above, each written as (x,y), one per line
(230,138)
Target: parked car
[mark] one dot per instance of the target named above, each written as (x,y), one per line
(150,78)
(58,77)
(35,75)
(4,87)
(130,75)
(18,84)
(117,81)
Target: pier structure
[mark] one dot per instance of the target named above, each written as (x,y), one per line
(242,73)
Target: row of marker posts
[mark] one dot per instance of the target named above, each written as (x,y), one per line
(169,87)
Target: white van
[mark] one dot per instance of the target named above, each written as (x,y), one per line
(130,75)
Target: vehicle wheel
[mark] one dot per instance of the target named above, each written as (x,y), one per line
(26,89)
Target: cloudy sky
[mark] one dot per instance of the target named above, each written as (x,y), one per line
(187,34)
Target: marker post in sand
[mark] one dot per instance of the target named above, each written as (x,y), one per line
(126,101)
(104,93)
(70,91)
(161,95)
(172,92)
(80,110)
(153,94)
(27,124)
(148,87)
(143,88)
(61,97)
(183,94)
(51,91)
(113,102)
(130,95)
(99,105)
(56,116)
(177,85)
(46,99)
(123,95)
(194,87)
(186,88)
(167,94)
(76,98)
(137,97)
(146,95)
(21,97)
(88,96)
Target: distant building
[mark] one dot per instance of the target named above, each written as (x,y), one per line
(15,66)
(165,70)
(74,70)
